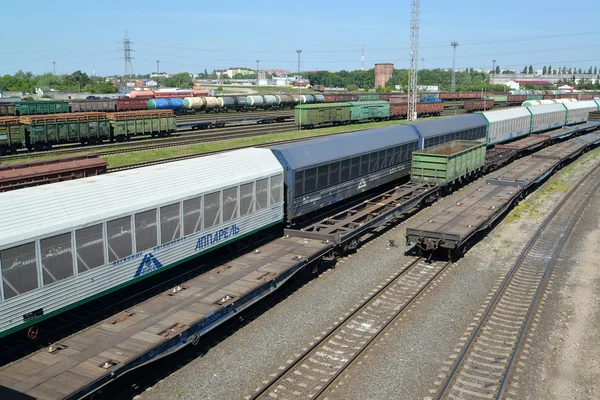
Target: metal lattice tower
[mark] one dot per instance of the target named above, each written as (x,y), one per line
(454,45)
(414,60)
(128,69)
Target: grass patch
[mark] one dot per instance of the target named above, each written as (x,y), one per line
(557,184)
(119,160)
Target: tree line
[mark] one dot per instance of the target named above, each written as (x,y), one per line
(549,70)
(77,81)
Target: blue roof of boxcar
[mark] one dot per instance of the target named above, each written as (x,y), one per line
(444,126)
(323,150)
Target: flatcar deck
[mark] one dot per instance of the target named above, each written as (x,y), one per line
(459,222)
(91,358)
(525,172)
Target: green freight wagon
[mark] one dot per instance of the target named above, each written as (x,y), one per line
(11,135)
(42,107)
(449,162)
(43,131)
(369,110)
(7,109)
(311,115)
(369,97)
(535,97)
(498,99)
(124,125)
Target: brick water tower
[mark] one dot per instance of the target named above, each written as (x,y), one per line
(383,73)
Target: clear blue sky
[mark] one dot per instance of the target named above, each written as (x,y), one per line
(194,35)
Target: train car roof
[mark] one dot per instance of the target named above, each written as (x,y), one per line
(324,150)
(48,209)
(444,126)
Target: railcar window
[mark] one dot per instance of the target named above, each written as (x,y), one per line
(323,173)
(298,183)
(119,238)
(145,230)
(364,164)
(212,210)
(374,162)
(262,193)
(192,215)
(246,198)
(89,243)
(310,180)
(390,157)
(230,204)
(381,159)
(345,170)
(334,173)
(276,183)
(355,168)
(19,270)
(57,258)
(169,223)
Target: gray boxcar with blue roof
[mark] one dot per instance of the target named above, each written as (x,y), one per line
(323,171)
(438,131)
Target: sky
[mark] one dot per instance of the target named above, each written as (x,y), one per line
(197,35)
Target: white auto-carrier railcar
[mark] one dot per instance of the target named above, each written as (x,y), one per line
(67,243)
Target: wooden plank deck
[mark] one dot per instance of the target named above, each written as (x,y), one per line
(113,344)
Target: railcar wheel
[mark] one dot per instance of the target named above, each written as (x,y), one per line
(32,332)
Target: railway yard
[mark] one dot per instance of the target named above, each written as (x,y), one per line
(329,251)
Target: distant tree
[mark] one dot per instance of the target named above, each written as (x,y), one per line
(497,69)
(544,70)
(530,70)
(589,71)
(579,71)
(352,88)
(524,70)
(595,70)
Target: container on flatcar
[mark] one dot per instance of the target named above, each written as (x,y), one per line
(12,135)
(449,162)
(165,104)
(42,107)
(255,101)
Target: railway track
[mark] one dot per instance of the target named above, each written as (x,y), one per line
(181,140)
(319,366)
(484,365)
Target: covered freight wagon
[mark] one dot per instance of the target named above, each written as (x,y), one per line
(579,111)
(369,110)
(324,171)
(311,115)
(547,117)
(448,163)
(439,131)
(504,125)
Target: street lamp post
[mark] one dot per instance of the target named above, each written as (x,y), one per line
(257,61)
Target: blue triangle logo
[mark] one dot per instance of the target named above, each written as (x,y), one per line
(148,264)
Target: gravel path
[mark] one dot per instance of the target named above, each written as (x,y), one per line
(404,367)
(562,360)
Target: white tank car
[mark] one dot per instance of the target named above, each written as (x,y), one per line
(62,244)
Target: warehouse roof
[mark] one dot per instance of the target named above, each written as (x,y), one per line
(444,126)
(41,210)
(323,150)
